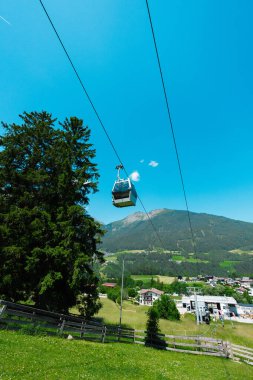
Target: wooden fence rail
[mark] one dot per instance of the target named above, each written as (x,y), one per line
(241,353)
(16,316)
(197,345)
(30,319)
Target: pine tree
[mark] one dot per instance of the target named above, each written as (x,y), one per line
(48,241)
(152,337)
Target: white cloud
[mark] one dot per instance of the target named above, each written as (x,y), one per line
(154,164)
(141,161)
(135,176)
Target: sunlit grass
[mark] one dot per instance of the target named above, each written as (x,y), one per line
(135,316)
(166,280)
(35,358)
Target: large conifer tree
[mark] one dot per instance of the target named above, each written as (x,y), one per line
(48,241)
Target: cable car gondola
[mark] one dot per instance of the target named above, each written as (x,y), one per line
(123,192)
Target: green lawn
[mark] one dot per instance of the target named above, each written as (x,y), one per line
(111,258)
(191,260)
(25,357)
(178,258)
(239,251)
(135,316)
(166,279)
(147,278)
(228,263)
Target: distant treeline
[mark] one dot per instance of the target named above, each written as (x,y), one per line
(218,263)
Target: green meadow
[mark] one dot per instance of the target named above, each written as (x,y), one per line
(42,357)
(25,357)
(135,316)
(146,278)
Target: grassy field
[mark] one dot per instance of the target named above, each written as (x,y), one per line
(111,258)
(135,316)
(239,251)
(228,263)
(146,278)
(166,279)
(25,357)
(188,260)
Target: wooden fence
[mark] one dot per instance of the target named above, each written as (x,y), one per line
(29,319)
(241,353)
(197,345)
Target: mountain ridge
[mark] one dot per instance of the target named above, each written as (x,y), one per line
(210,232)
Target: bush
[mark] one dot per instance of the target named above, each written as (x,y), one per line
(132,292)
(166,308)
(114,294)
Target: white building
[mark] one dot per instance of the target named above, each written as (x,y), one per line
(149,296)
(215,304)
(245,310)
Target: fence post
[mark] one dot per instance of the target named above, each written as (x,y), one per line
(103,334)
(82,329)
(119,333)
(33,319)
(62,327)
(198,344)
(223,348)
(227,350)
(2,310)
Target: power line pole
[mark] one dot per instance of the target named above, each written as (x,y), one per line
(196,306)
(121,293)
(196,291)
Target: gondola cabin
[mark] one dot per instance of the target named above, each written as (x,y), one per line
(124,193)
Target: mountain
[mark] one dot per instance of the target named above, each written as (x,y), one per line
(211,232)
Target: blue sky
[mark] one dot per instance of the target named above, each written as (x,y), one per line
(206,54)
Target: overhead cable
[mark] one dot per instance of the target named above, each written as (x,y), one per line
(172,128)
(97,114)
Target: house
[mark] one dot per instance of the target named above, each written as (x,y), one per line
(240,290)
(149,296)
(215,304)
(246,282)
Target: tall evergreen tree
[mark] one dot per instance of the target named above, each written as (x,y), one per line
(48,241)
(153,337)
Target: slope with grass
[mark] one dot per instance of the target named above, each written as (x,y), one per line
(35,358)
(135,316)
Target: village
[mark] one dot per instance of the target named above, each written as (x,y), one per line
(203,306)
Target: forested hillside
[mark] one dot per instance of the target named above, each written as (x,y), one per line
(218,263)
(211,232)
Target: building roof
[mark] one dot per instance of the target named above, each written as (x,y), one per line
(109,284)
(211,299)
(153,290)
(246,305)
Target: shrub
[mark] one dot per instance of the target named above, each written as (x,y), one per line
(166,308)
